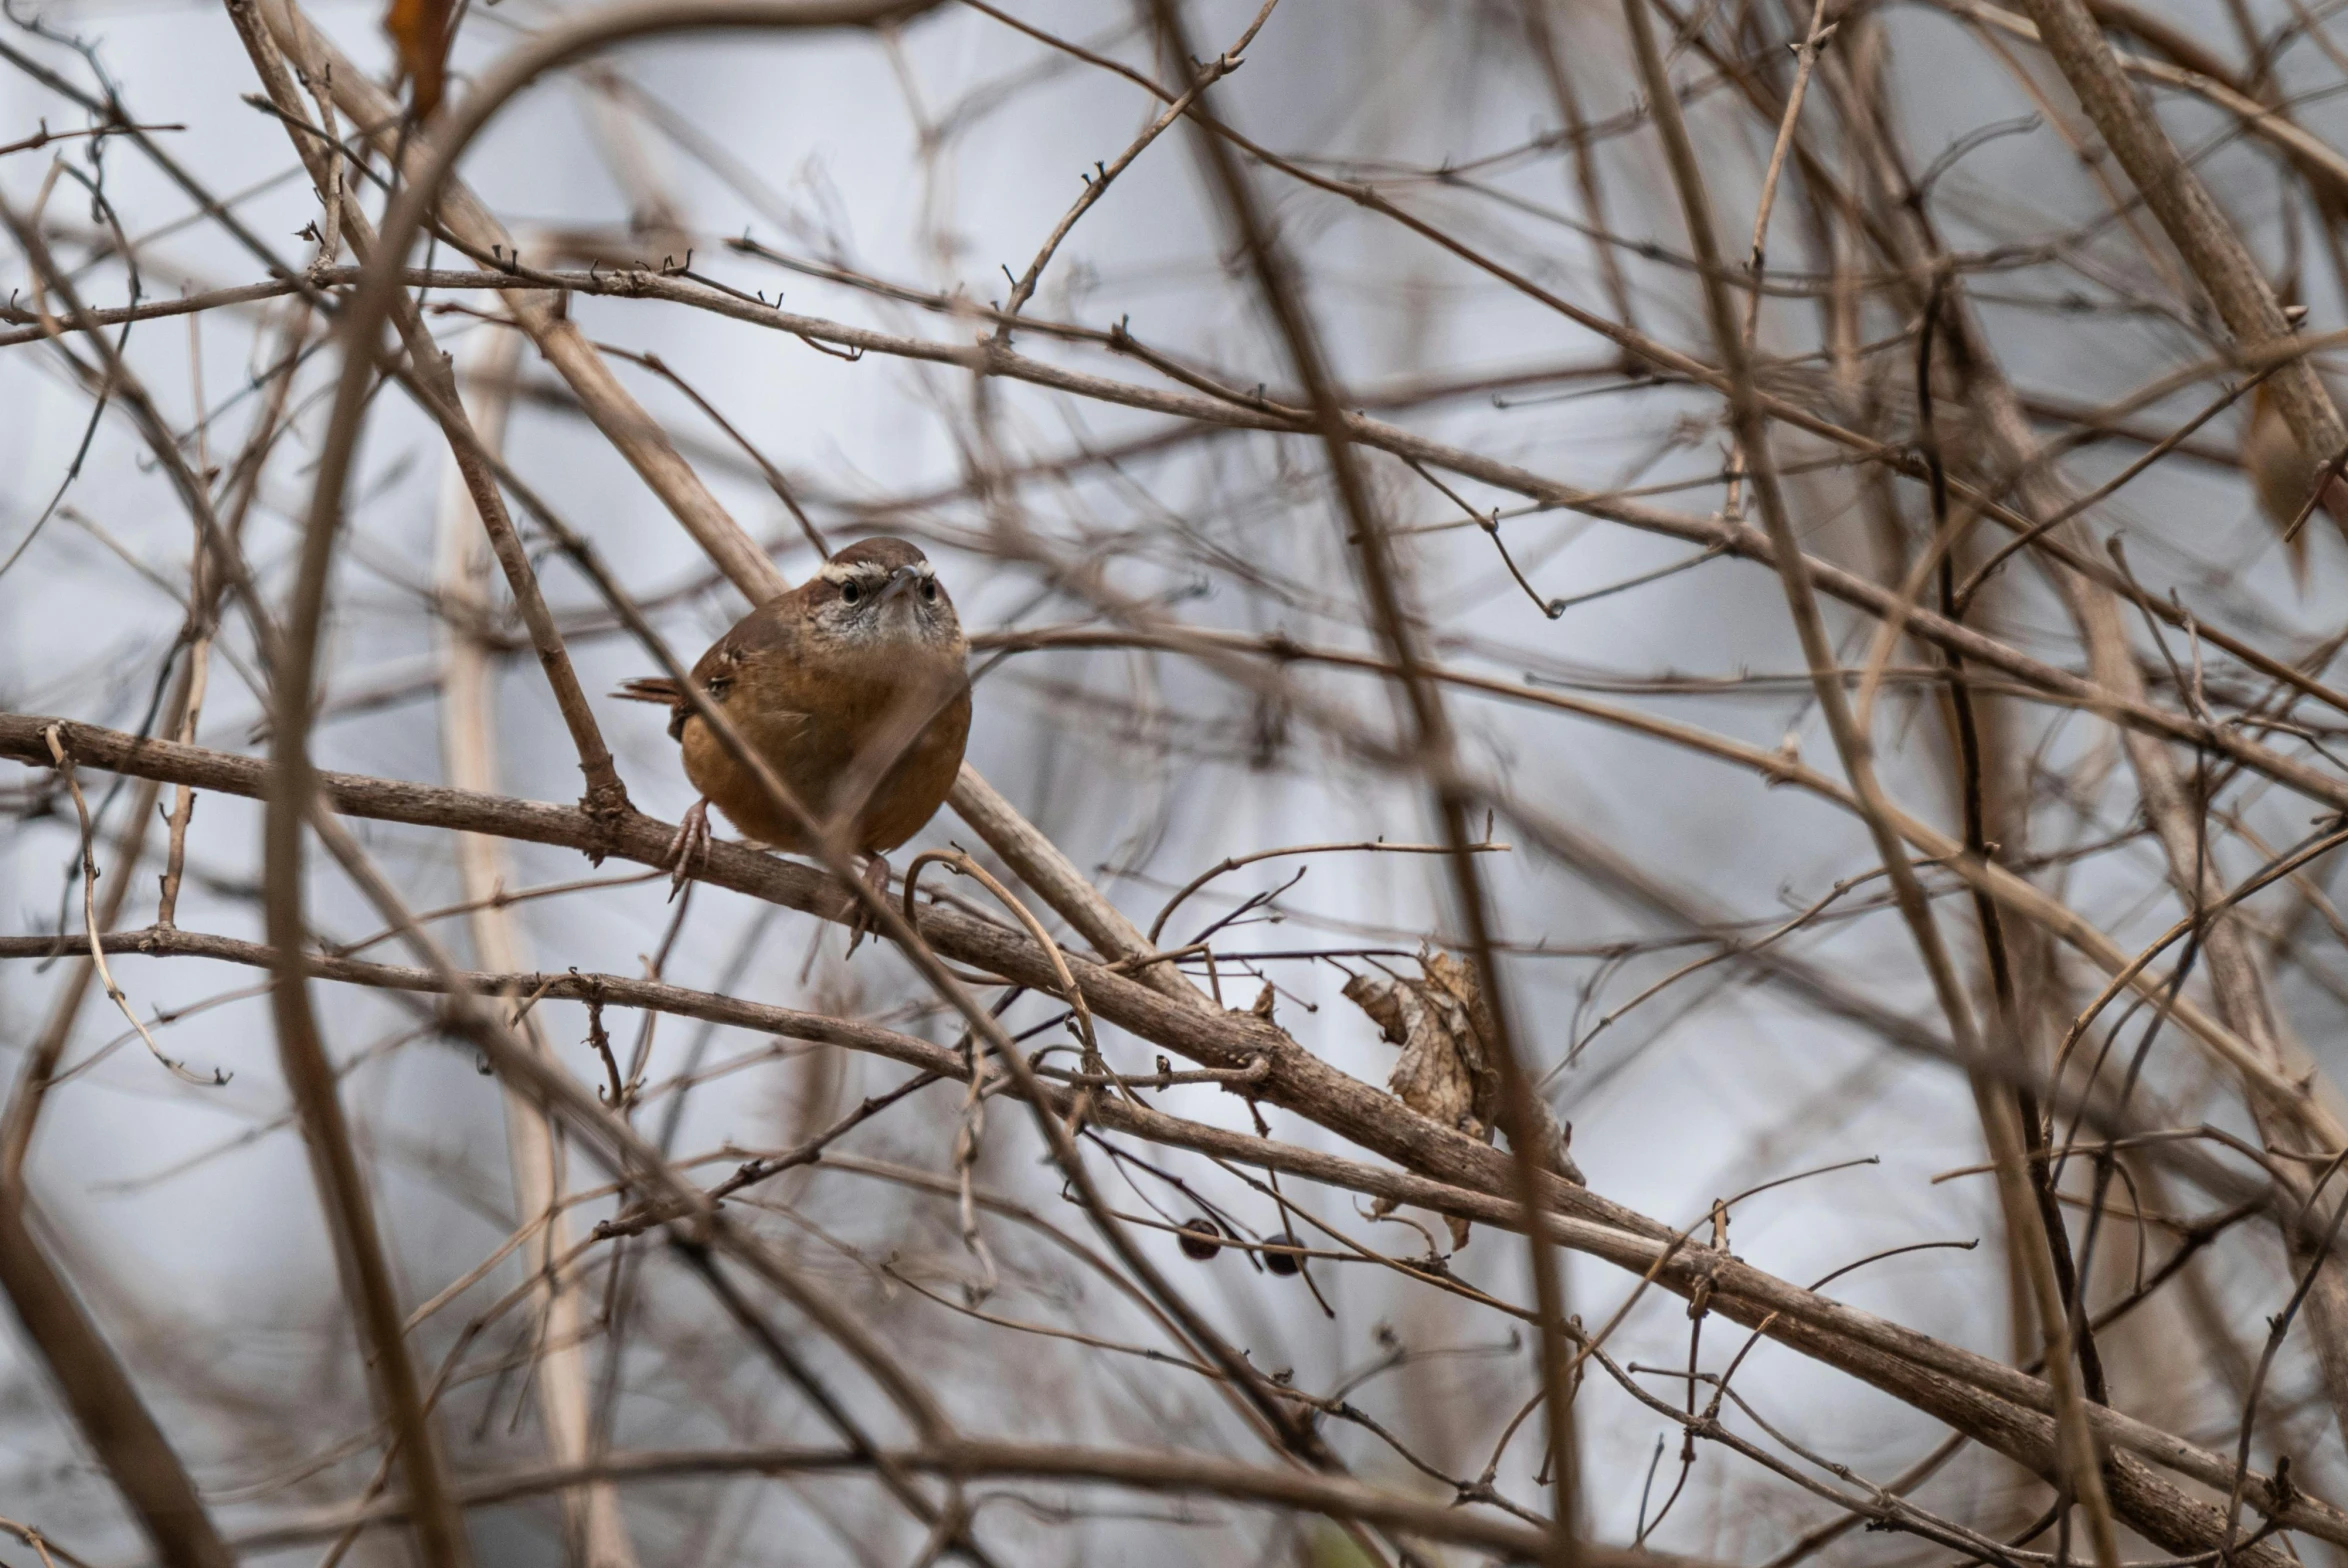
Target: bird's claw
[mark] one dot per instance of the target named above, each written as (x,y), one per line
(861,923)
(689,848)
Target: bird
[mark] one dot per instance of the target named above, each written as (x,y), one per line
(852,687)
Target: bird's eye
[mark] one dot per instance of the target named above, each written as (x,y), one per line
(716,686)
(929,589)
(850,593)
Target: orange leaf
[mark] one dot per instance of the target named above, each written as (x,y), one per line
(419,29)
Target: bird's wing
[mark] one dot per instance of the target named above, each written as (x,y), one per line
(768,634)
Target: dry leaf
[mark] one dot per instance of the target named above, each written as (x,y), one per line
(1434,1077)
(1443,1073)
(419,32)
(1449,1071)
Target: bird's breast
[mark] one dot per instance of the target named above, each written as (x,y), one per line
(824,726)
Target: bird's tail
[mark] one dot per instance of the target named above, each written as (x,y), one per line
(660,689)
(652,688)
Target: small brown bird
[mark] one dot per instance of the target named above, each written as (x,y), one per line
(852,687)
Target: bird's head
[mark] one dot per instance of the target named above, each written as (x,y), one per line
(879,592)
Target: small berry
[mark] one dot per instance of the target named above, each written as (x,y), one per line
(1283,1263)
(1201,1238)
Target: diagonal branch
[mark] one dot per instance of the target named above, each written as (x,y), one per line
(2192,220)
(106,1406)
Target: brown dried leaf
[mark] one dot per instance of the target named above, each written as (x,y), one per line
(1383,1000)
(1470,1023)
(1434,1077)
(1450,1067)
(419,32)
(1443,1063)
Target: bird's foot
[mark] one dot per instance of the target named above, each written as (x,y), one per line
(861,924)
(689,848)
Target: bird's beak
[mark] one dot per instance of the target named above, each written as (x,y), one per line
(902,578)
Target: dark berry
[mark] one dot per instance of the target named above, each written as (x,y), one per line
(1201,1238)
(1283,1263)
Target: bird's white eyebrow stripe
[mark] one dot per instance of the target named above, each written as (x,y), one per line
(834,572)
